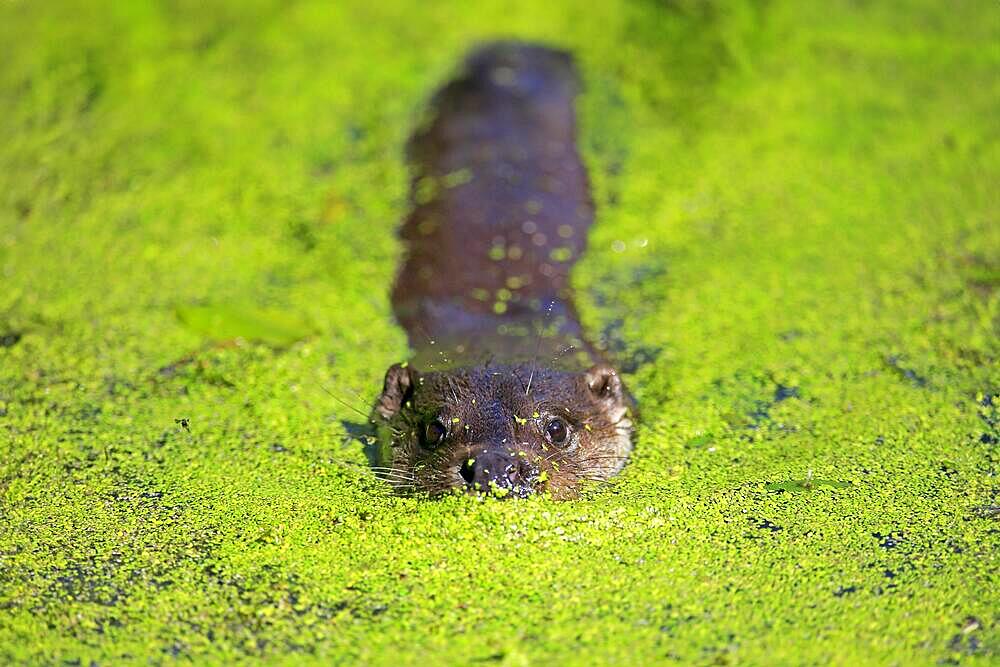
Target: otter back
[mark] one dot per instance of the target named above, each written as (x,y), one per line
(501,208)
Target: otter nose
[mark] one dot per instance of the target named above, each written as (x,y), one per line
(499,472)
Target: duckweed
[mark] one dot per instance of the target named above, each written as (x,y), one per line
(790,195)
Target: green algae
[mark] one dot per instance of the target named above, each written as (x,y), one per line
(791,196)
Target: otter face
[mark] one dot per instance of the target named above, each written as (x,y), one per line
(507,431)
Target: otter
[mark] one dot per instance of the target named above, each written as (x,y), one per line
(510,399)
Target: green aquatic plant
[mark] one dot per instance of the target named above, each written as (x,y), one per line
(795,252)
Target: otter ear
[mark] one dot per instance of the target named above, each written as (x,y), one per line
(604,382)
(397,390)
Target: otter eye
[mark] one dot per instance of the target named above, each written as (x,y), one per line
(557,431)
(434,433)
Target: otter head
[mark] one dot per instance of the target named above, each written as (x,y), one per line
(507,431)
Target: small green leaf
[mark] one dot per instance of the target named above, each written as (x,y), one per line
(226,321)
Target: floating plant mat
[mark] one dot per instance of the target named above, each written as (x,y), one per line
(795,253)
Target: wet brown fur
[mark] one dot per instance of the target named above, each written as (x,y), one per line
(501,208)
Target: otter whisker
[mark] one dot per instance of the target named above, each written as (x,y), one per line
(552,456)
(597,459)
(343,402)
(364,399)
(451,388)
(538,348)
(386,474)
(518,376)
(394,472)
(594,478)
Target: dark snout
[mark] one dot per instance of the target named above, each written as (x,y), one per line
(499,472)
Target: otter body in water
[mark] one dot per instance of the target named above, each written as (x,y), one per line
(510,398)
